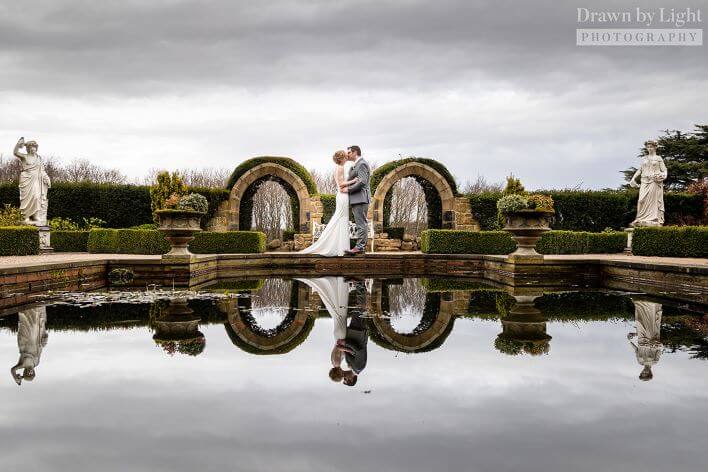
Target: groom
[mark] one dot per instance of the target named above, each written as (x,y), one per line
(359,197)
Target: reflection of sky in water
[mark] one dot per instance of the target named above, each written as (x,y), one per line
(112,401)
(269,317)
(406,303)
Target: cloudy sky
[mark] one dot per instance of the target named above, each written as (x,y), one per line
(487,87)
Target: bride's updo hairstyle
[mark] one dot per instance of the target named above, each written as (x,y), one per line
(339,157)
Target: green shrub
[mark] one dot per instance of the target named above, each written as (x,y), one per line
(484,209)
(395,232)
(69,241)
(288,235)
(127,241)
(443,241)
(193,202)
(671,241)
(329,204)
(215,197)
(152,226)
(19,241)
(229,242)
(167,184)
(581,242)
(10,216)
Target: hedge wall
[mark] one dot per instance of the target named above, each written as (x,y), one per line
(19,241)
(69,241)
(445,241)
(229,242)
(671,241)
(571,242)
(152,242)
(593,210)
(395,232)
(120,206)
(329,204)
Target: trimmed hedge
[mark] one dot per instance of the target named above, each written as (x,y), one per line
(228,242)
(152,242)
(127,241)
(286,162)
(329,204)
(381,172)
(593,210)
(288,235)
(19,240)
(69,241)
(571,242)
(395,232)
(120,206)
(671,241)
(445,241)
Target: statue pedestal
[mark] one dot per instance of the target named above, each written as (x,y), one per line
(44,240)
(630,233)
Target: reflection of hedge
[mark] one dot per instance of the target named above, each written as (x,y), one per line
(594,210)
(236,285)
(448,285)
(120,206)
(671,241)
(19,240)
(69,241)
(588,306)
(228,242)
(581,242)
(442,241)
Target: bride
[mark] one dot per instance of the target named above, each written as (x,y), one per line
(334,240)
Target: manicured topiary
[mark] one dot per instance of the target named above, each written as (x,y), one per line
(581,242)
(127,241)
(443,241)
(103,241)
(228,242)
(395,232)
(671,241)
(286,162)
(69,241)
(19,241)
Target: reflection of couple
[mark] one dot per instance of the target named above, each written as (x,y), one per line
(350,341)
(352,175)
(31,338)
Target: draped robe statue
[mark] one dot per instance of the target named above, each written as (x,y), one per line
(34,184)
(650,207)
(31,339)
(648,346)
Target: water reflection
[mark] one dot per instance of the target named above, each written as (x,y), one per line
(31,339)
(177,328)
(524,328)
(648,345)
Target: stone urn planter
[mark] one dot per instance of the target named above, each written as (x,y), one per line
(179,227)
(526,228)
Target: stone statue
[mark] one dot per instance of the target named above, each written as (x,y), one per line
(650,207)
(31,339)
(34,184)
(648,325)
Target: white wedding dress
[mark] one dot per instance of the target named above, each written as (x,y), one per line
(334,293)
(334,239)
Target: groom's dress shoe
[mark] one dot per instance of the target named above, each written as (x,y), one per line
(354,252)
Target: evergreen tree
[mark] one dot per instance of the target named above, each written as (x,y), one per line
(685,156)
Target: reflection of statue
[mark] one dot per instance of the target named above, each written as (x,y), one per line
(350,341)
(648,347)
(31,338)
(650,207)
(34,184)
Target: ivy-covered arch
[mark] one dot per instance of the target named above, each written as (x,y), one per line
(252,173)
(436,180)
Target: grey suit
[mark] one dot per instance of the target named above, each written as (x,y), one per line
(359,198)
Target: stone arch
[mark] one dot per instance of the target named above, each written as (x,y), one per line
(443,203)
(294,179)
(431,333)
(290,334)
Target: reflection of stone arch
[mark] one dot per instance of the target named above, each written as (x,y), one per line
(434,328)
(247,336)
(445,209)
(296,181)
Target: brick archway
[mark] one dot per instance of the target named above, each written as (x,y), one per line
(244,188)
(454,211)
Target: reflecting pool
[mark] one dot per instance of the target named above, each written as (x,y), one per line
(354,374)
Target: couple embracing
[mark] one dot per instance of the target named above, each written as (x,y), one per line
(352,175)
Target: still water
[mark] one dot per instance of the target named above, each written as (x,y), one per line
(446,376)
